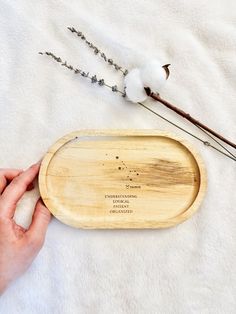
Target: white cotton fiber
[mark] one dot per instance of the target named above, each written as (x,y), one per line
(134,86)
(153,75)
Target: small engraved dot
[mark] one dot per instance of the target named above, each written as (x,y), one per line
(117,157)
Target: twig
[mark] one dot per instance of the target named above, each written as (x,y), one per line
(188,117)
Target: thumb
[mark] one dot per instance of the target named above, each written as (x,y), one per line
(40,221)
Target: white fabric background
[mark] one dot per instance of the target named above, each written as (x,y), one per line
(187,269)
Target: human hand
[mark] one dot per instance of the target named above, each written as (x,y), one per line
(18,246)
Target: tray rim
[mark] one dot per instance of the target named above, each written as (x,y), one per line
(149,224)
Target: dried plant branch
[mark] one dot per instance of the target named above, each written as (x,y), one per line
(82,73)
(188,117)
(114,88)
(98,51)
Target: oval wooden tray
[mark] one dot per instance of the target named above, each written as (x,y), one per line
(122,179)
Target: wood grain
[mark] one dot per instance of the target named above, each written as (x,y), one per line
(122,179)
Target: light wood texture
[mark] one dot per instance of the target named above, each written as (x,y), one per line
(122,179)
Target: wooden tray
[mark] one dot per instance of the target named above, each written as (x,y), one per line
(122,179)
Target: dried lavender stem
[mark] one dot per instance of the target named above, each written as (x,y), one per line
(98,51)
(82,73)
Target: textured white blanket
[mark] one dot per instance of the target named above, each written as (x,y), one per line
(187,269)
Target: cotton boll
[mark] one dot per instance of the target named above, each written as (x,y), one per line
(153,75)
(134,86)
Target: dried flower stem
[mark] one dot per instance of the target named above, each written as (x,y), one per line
(82,73)
(206,143)
(188,117)
(98,51)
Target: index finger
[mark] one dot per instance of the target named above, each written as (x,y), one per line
(15,190)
